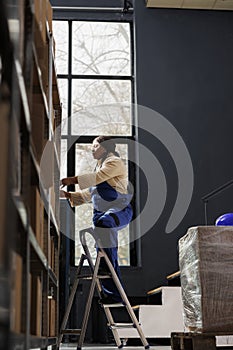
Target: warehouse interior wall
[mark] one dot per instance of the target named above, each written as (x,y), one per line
(184,72)
(184,80)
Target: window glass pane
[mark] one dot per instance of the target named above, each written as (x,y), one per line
(123,250)
(101,48)
(63,91)
(63,167)
(84,162)
(83,213)
(123,235)
(60,33)
(122,149)
(101,107)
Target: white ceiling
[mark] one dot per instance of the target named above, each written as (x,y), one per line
(192,4)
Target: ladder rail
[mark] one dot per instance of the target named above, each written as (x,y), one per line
(70,302)
(117,283)
(88,304)
(83,241)
(95,283)
(98,284)
(125,298)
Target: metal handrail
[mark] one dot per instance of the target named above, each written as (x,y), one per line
(213,193)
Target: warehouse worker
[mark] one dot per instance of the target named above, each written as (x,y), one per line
(106,187)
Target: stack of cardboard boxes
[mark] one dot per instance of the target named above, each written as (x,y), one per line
(30,289)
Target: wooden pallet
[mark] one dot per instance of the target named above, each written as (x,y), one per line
(193,341)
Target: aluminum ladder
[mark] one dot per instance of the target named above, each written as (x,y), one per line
(95,283)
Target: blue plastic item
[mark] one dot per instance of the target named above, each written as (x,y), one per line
(225,220)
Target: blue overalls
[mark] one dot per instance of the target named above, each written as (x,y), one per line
(112,212)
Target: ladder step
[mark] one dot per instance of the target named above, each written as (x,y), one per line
(103,276)
(89,277)
(71,331)
(121,325)
(95,274)
(113,305)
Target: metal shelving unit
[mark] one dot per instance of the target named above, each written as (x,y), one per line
(29,99)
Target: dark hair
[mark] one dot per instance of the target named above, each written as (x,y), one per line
(109,144)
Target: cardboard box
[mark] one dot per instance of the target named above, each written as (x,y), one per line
(4,157)
(39,123)
(52,253)
(43,19)
(52,318)
(40,9)
(53,199)
(37,214)
(45,235)
(43,16)
(16,157)
(206,265)
(16,293)
(49,15)
(43,58)
(21,8)
(36,306)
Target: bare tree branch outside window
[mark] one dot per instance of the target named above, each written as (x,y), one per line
(101,49)
(99,106)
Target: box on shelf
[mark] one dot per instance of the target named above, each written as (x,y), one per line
(21,8)
(52,254)
(43,13)
(36,305)
(43,60)
(4,140)
(49,15)
(16,157)
(53,199)
(39,123)
(40,35)
(206,263)
(52,317)
(37,214)
(45,235)
(16,292)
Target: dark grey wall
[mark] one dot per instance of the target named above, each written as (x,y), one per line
(184,65)
(184,71)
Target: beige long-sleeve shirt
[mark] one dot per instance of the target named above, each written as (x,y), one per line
(112,170)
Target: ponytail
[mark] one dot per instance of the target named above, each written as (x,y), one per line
(109,144)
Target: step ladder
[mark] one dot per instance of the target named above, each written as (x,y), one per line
(95,283)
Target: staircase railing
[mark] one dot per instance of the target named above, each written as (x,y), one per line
(213,193)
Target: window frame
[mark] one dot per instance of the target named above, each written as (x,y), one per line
(72,16)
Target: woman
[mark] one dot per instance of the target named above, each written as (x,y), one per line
(106,187)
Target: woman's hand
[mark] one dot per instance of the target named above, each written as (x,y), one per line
(64,194)
(69,181)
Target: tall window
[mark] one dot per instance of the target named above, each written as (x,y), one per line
(95,71)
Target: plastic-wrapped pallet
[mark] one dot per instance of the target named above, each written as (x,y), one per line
(206,265)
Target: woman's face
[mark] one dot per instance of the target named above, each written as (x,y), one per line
(98,151)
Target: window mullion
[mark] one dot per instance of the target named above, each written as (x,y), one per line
(107,82)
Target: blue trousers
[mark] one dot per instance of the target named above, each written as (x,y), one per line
(106,227)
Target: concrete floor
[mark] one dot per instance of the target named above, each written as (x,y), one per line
(102,347)
(107,347)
